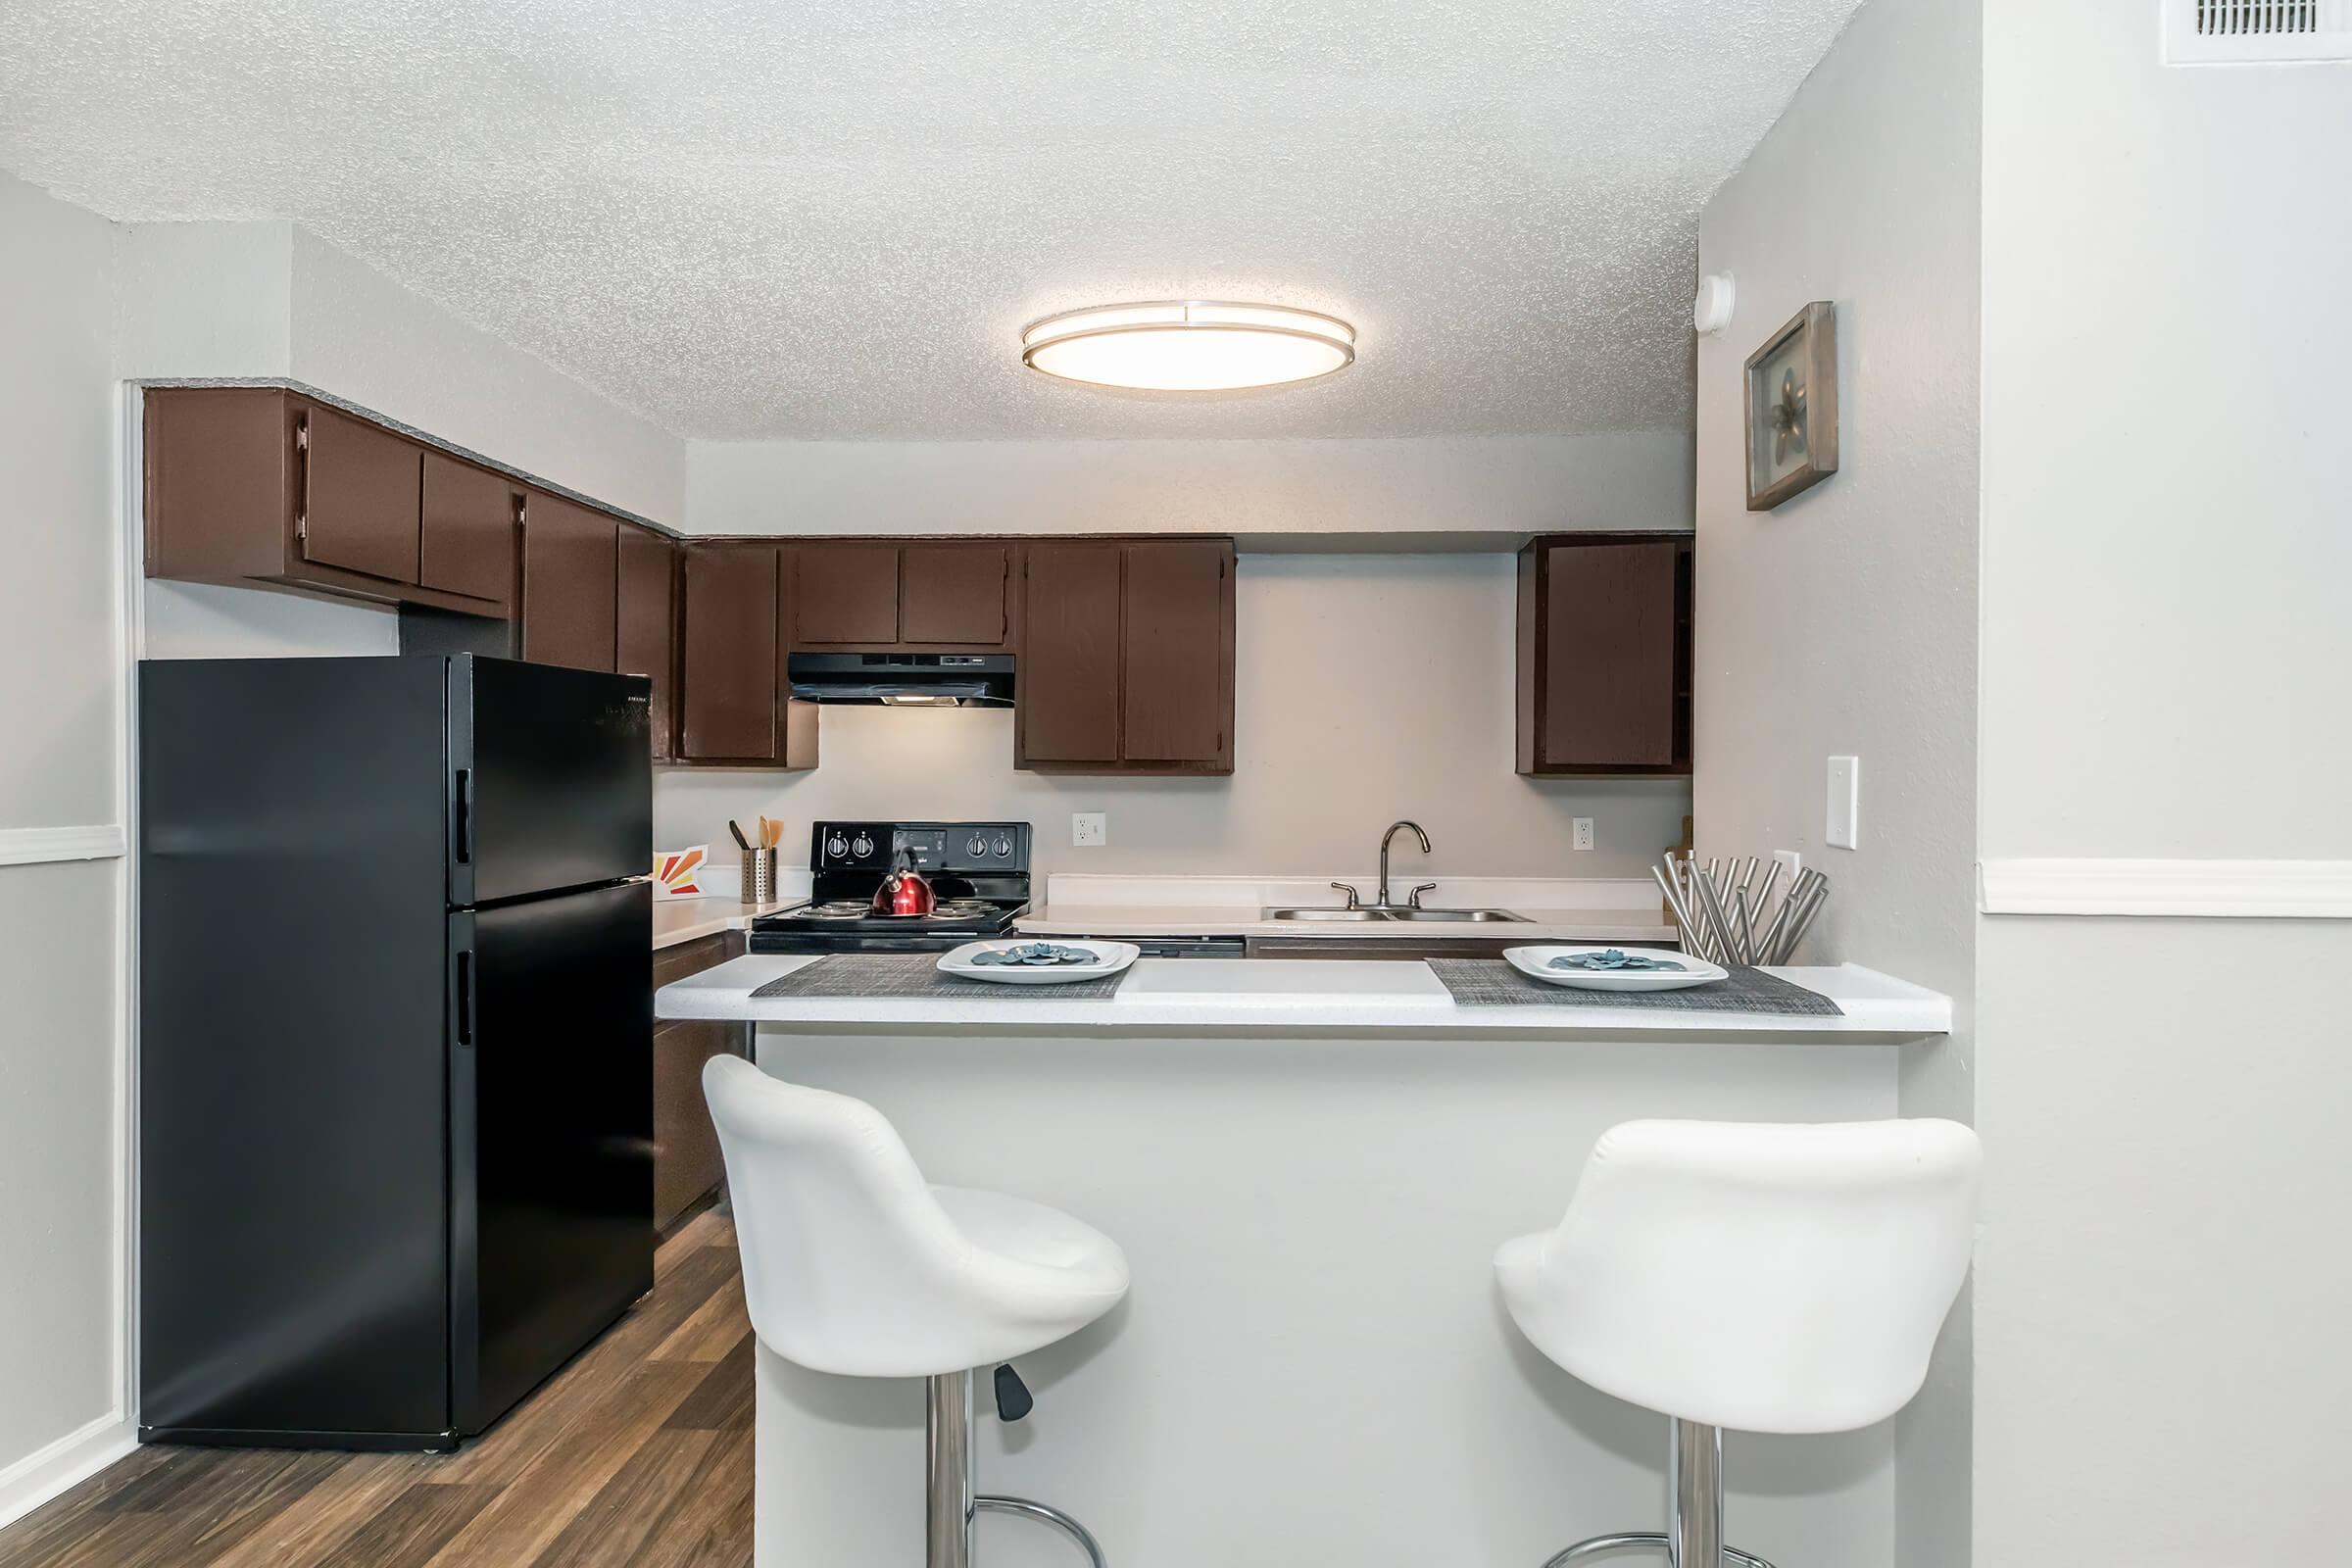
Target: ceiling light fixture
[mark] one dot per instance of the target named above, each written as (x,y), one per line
(1189,346)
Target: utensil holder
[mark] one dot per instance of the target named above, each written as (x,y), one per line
(760,876)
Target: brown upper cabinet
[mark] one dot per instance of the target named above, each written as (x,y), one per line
(357,496)
(258,484)
(910,594)
(1066,691)
(1127,651)
(467,540)
(645,624)
(850,594)
(736,599)
(1604,654)
(955,595)
(570,578)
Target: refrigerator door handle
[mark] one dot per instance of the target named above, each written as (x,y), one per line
(464,816)
(469,1010)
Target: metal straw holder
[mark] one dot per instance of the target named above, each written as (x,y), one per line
(759,876)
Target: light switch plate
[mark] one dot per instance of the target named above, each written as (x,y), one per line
(1583,832)
(1090,830)
(1845,802)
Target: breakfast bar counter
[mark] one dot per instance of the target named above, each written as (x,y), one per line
(1309,1164)
(1296,997)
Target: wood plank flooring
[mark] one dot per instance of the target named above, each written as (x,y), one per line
(639,1454)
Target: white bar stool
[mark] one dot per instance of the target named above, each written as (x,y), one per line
(1767,1278)
(852,1264)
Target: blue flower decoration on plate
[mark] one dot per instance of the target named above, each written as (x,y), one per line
(1613,960)
(1035,956)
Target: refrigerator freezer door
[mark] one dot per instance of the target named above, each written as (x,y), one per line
(551,779)
(551,1134)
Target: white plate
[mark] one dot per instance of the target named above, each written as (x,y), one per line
(1533,963)
(1111,958)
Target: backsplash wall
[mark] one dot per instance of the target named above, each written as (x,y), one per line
(1367,688)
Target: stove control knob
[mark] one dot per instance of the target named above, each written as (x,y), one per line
(1004,848)
(978,846)
(862,846)
(837,847)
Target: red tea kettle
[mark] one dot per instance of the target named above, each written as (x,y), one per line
(904,891)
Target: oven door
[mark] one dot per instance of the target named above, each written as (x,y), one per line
(924,938)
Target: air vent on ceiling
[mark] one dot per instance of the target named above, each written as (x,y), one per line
(2227,32)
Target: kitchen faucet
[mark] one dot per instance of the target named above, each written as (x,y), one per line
(1380,898)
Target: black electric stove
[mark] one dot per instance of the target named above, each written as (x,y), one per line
(979,871)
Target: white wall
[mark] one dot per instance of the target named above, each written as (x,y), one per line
(2168,499)
(1366,688)
(204,300)
(1844,622)
(60,920)
(368,339)
(2167,668)
(1485,485)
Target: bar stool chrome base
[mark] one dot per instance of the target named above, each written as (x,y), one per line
(1694,1475)
(1643,1540)
(950,1500)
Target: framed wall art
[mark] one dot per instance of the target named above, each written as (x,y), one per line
(1792,408)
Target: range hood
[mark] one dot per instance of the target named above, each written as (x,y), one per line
(902,680)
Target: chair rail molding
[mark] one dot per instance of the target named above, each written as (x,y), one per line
(2227,890)
(33,846)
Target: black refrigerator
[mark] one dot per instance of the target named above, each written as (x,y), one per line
(394,1061)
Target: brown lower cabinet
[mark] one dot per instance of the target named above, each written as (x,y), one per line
(687,1167)
(1605,671)
(1127,651)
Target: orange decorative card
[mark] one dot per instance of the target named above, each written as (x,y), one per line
(677,873)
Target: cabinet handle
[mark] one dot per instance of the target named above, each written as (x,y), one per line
(301,458)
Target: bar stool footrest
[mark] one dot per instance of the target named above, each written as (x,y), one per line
(1641,1541)
(1026,1510)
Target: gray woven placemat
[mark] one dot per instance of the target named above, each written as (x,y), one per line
(901,974)
(1493,983)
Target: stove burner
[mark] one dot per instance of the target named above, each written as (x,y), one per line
(846,910)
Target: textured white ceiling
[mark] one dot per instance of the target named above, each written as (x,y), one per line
(790,220)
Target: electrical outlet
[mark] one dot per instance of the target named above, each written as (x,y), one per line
(1844,803)
(1791,863)
(1090,830)
(1583,832)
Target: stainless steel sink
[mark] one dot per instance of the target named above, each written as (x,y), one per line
(1459,917)
(1457,914)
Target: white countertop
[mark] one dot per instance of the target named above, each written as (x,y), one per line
(1296,995)
(677,921)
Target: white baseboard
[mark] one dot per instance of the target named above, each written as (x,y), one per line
(31,846)
(2232,890)
(68,1462)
